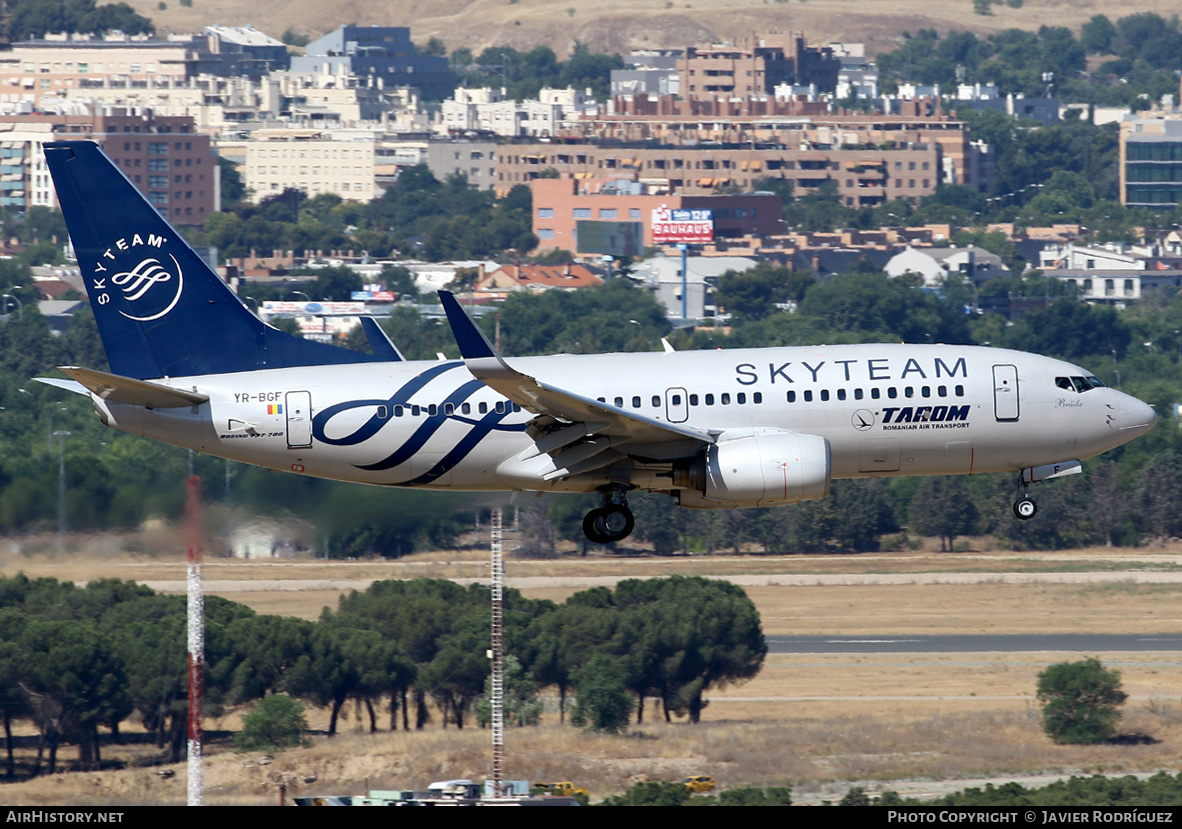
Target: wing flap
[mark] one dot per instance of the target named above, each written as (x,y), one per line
(542,398)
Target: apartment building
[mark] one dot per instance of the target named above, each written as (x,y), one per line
(755,65)
(164,157)
(384,54)
(1151,161)
(864,177)
(312,161)
(43,71)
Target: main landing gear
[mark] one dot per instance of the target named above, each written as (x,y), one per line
(611,522)
(1024,508)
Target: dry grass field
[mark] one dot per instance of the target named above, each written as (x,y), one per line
(621,25)
(918,723)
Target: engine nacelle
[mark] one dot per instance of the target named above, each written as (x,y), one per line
(758,468)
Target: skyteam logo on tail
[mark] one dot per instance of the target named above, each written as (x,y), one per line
(151,287)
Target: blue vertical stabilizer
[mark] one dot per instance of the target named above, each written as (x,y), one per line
(161,311)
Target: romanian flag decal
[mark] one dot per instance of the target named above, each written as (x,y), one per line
(275,408)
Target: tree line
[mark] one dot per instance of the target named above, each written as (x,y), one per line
(76,660)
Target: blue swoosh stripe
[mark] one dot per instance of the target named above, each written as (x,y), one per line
(371,426)
(462,449)
(424,433)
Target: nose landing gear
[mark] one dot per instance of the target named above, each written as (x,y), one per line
(1024,508)
(611,522)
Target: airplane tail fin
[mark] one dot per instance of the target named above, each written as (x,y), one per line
(161,311)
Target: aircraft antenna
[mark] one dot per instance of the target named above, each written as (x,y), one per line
(196,639)
(498,683)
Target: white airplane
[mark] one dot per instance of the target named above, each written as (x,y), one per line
(192,366)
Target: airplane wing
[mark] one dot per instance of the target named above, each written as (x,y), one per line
(626,432)
(118,389)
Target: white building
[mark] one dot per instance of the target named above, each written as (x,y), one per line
(312,161)
(1079,257)
(935,264)
(490,110)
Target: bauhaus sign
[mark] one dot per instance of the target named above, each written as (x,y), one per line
(695,226)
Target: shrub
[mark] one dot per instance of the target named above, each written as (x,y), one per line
(1080,701)
(276,722)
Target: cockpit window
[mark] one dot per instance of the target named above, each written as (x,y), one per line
(1078,384)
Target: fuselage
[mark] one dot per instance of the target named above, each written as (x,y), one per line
(884,409)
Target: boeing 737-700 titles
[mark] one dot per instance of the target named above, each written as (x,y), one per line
(192,366)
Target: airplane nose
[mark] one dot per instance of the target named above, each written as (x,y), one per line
(1136,417)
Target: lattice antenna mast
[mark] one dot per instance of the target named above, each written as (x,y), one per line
(196,638)
(498,647)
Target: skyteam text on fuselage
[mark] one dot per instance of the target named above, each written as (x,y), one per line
(192,366)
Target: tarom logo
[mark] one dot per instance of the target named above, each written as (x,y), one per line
(147,288)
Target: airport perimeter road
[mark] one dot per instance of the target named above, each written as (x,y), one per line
(993,643)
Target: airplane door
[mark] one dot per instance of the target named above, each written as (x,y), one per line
(676,405)
(297,405)
(1005,392)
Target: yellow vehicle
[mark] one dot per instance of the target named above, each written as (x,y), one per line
(563,789)
(699,783)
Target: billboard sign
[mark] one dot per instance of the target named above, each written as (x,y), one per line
(612,238)
(691,226)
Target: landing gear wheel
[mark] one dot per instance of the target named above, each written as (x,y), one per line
(593,527)
(607,524)
(1025,508)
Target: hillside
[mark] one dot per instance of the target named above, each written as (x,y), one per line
(620,25)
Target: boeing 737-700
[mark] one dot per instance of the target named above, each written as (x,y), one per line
(191,365)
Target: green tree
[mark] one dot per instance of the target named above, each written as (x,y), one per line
(651,793)
(277,722)
(602,701)
(1080,701)
(521,704)
(755,796)
(942,507)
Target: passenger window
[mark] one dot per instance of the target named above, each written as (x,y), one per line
(466,408)
(500,407)
(397,411)
(825,394)
(841,394)
(636,401)
(449,409)
(741,398)
(516,408)
(619,401)
(791,396)
(726,399)
(433,409)
(415,411)
(808,396)
(892,392)
(960,391)
(857,394)
(382,413)
(709,400)
(693,400)
(757,397)
(926,391)
(909,392)
(484,408)
(942,391)
(601,400)
(656,401)
(876,392)
(677,400)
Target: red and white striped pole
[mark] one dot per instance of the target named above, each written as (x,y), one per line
(196,639)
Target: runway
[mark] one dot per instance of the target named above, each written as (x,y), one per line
(1083,643)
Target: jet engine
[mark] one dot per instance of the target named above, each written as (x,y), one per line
(755,468)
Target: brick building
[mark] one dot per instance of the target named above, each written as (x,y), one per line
(163,156)
(560,204)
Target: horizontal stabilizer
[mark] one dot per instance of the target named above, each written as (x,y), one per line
(116,389)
